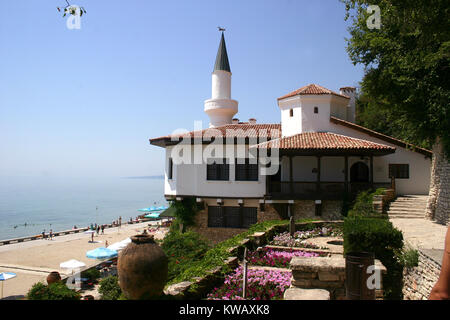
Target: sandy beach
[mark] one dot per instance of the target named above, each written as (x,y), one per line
(32,261)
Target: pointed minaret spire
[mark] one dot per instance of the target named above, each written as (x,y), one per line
(221,108)
(222,57)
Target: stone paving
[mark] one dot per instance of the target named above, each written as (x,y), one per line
(422,233)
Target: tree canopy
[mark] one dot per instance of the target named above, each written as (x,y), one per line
(406,64)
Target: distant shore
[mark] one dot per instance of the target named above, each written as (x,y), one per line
(32,261)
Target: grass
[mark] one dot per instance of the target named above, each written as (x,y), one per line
(216,256)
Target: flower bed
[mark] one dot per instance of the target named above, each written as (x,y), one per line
(298,240)
(277,258)
(261,285)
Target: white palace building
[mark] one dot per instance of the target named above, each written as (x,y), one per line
(304,165)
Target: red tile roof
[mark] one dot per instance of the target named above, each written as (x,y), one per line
(312,89)
(323,141)
(241,130)
(381,136)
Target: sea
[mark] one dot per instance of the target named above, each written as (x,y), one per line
(30,205)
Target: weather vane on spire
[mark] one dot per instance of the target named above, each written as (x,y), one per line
(221,29)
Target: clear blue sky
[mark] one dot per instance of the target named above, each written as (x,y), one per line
(85,102)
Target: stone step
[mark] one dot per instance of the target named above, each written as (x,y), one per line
(410,201)
(406,209)
(406,212)
(406,216)
(409,205)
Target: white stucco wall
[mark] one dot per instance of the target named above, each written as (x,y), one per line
(419,165)
(190,179)
(304,119)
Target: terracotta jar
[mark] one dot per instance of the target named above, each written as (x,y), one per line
(53,277)
(142,268)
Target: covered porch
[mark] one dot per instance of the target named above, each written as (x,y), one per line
(324,177)
(324,166)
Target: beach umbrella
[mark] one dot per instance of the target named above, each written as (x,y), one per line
(153,214)
(5,276)
(150,209)
(101,253)
(120,245)
(72,264)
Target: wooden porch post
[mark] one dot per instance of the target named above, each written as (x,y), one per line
(346,173)
(291,186)
(371,171)
(318,175)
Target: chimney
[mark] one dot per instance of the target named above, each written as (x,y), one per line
(235,121)
(252,121)
(351,108)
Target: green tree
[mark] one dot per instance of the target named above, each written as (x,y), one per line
(406,65)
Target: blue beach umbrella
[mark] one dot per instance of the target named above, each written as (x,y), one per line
(101,253)
(5,276)
(153,215)
(153,208)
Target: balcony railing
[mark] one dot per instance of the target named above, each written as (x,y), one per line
(319,190)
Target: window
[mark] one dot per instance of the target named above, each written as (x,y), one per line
(170,169)
(399,171)
(231,217)
(246,171)
(291,113)
(316,109)
(218,171)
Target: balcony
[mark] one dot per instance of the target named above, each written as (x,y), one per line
(292,190)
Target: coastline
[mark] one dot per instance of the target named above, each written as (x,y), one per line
(32,261)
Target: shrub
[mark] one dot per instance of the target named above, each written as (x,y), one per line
(182,249)
(380,237)
(185,211)
(109,288)
(363,205)
(91,274)
(54,291)
(409,258)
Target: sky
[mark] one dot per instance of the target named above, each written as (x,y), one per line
(85,102)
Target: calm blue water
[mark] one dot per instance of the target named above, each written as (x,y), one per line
(60,203)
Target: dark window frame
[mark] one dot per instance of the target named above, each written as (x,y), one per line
(399,170)
(170,169)
(316,109)
(291,113)
(218,171)
(246,171)
(234,217)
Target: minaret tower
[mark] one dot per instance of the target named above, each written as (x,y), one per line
(221,108)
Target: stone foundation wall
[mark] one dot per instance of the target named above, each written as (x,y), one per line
(418,281)
(216,235)
(327,273)
(331,210)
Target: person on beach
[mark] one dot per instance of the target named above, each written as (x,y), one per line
(43,234)
(441,290)
(106,244)
(92,237)
(103,229)
(51,234)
